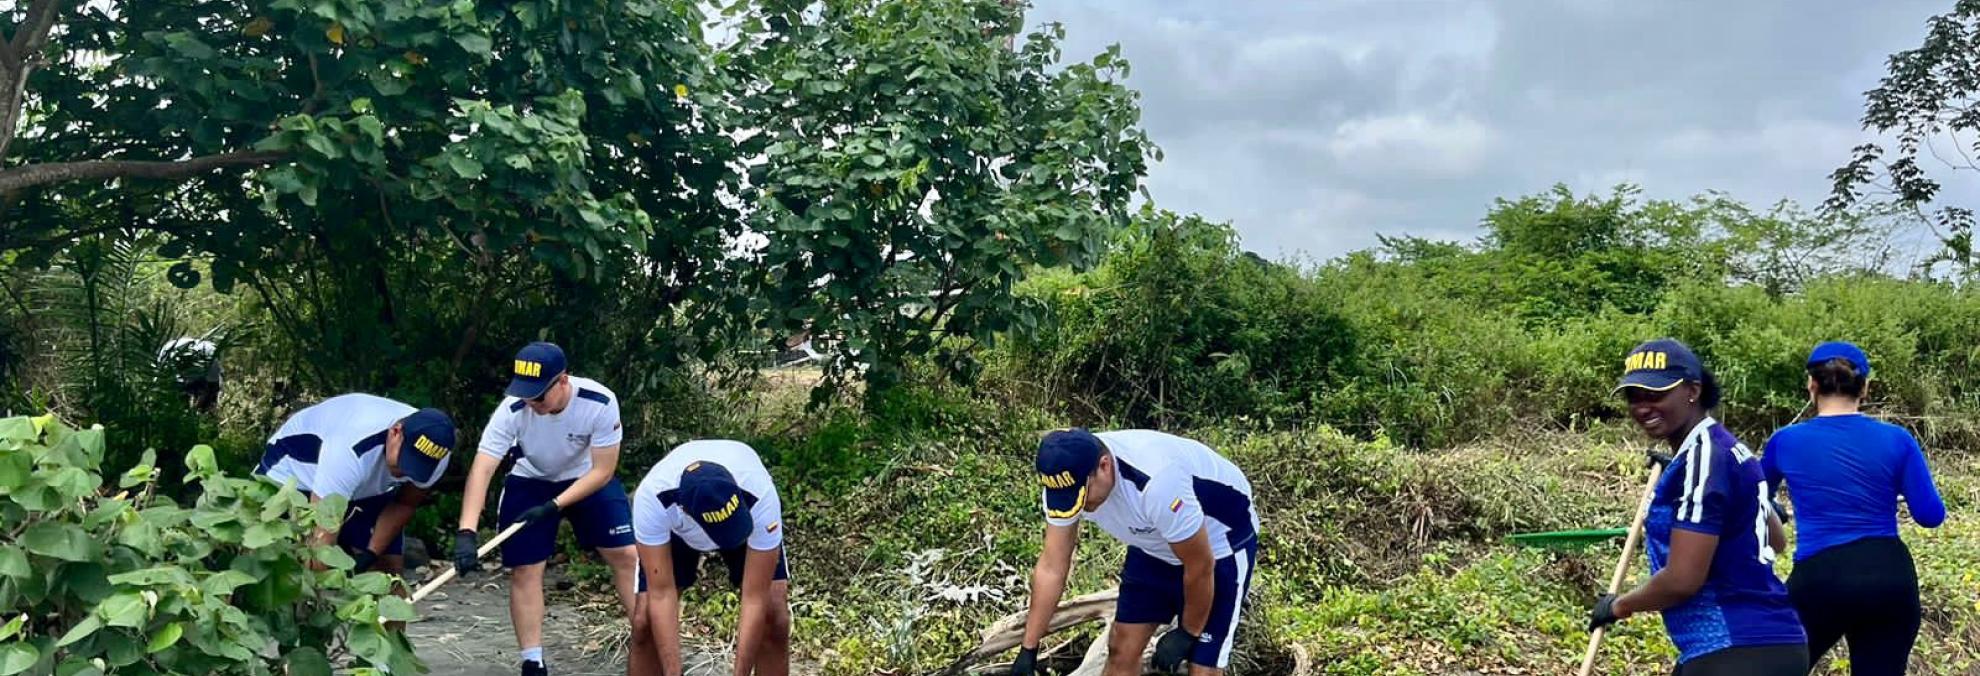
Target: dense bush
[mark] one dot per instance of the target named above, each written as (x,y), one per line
(133,583)
(1434,343)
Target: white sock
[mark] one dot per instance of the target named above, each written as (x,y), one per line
(533,654)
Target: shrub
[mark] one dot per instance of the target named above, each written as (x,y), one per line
(133,583)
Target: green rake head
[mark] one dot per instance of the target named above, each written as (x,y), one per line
(1567,539)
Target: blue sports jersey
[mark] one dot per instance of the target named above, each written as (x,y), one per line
(1715,486)
(1845,473)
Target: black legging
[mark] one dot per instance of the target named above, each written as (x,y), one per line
(1866,591)
(1763,660)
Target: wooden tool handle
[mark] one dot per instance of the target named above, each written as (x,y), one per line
(447,575)
(1622,563)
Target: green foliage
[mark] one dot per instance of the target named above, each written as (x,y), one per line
(915,168)
(131,582)
(1180,326)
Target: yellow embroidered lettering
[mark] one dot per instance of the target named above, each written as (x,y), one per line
(428,448)
(528,368)
(722,514)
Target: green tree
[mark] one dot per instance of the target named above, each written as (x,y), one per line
(1929,103)
(363,165)
(917,160)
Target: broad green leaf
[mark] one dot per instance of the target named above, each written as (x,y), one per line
(259,535)
(224,582)
(13,627)
(14,562)
(395,609)
(464,167)
(17,657)
(81,631)
(125,609)
(332,556)
(200,460)
(153,576)
(369,643)
(73,482)
(91,441)
(15,468)
(19,428)
(478,45)
(143,536)
(307,662)
(59,541)
(377,584)
(165,637)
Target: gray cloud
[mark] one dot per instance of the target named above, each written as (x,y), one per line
(1313,126)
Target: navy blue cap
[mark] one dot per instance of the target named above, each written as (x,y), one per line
(710,496)
(1660,365)
(536,368)
(1065,459)
(1844,351)
(429,437)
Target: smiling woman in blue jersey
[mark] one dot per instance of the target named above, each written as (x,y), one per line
(1711,533)
(1853,578)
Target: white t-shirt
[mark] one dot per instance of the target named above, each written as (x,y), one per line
(337,447)
(1166,488)
(556,446)
(656,524)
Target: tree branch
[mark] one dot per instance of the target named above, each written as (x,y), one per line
(33,33)
(28,176)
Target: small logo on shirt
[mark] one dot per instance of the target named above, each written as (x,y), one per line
(772,528)
(1176,506)
(724,513)
(621,530)
(577,439)
(1141,531)
(529,368)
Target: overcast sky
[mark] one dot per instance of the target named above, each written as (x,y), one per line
(1312,126)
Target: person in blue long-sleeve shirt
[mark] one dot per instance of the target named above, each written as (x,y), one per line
(1845,471)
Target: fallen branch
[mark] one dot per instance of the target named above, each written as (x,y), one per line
(1008,632)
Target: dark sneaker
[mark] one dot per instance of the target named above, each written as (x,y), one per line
(534,669)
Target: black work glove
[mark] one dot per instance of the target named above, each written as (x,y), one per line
(1172,650)
(365,560)
(538,512)
(1026,664)
(467,558)
(1658,459)
(1604,612)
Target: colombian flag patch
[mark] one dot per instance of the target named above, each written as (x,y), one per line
(772,528)
(1176,506)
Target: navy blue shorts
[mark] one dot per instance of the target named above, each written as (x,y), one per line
(602,521)
(687,566)
(1152,593)
(361,519)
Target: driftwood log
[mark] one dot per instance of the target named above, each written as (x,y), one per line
(1008,632)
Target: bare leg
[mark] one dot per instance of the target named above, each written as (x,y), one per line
(625,573)
(1125,647)
(642,654)
(1200,670)
(526,604)
(774,658)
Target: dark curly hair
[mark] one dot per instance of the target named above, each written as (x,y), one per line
(1709,394)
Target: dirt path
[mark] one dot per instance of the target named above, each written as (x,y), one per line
(466,632)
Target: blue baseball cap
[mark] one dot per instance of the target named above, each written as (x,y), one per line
(1065,459)
(1844,351)
(710,496)
(536,367)
(429,437)
(1660,365)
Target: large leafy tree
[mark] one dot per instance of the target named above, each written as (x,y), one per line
(1928,104)
(365,165)
(913,160)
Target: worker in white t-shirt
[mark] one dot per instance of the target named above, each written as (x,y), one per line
(714,497)
(1192,535)
(564,433)
(380,455)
